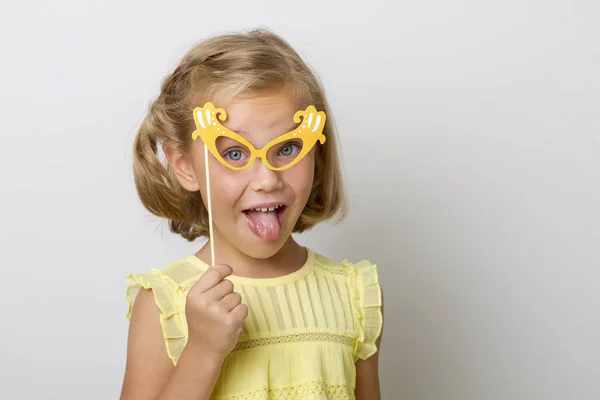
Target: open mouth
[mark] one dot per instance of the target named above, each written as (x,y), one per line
(266,222)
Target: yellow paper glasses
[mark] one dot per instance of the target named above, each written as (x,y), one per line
(235,152)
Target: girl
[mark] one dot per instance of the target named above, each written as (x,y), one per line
(251,158)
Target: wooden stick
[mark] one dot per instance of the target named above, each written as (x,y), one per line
(208,201)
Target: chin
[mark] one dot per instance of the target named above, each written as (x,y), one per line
(261,249)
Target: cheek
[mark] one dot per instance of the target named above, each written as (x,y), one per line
(225,185)
(301,177)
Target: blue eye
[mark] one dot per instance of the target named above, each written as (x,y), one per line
(235,155)
(289,149)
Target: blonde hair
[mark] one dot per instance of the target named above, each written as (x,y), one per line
(230,64)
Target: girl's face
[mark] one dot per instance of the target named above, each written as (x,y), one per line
(254,210)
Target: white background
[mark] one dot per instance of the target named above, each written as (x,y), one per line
(471,141)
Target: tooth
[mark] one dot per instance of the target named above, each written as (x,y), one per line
(271,208)
(264,209)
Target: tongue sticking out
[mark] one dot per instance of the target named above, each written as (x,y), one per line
(264,224)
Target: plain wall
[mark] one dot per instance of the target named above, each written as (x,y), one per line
(470,134)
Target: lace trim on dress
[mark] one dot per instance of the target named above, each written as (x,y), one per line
(299,337)
(313,390)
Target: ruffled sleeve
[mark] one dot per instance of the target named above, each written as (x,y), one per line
(171,302)
(367,300)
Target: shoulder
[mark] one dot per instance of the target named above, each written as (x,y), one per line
(178,275)
(159,296)
(329,266)
(364,269)
(367,298)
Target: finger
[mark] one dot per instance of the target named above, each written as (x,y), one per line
(231,301)
(220,290)
(212,277)
(239,312)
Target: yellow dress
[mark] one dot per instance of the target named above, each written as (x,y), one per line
(303,334)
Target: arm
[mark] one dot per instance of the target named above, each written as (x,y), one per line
(367,374)
(150,374)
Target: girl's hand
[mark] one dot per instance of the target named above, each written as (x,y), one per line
(215,313)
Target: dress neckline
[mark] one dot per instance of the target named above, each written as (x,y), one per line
(279,280)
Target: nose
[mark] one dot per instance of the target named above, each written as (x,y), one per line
(265,179)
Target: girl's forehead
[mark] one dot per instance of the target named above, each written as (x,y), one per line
(264,112)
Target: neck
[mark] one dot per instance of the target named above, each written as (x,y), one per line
(290,257)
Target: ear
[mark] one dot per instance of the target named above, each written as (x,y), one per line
(182,167)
